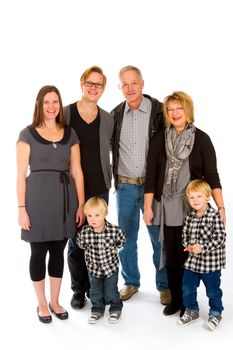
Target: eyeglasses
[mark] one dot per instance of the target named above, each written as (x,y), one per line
(173,110)
(91,84)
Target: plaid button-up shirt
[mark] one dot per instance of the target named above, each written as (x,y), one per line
(101,253)
(134,140)
(209,232)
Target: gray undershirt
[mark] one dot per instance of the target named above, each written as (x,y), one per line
(176,206)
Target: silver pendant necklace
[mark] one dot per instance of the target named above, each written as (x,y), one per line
(54,145)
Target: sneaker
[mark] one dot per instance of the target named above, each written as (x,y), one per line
(188,317)
(213,322)
(94,318)
(114,316)
(165,297)
(128,291)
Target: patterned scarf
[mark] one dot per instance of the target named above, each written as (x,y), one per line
(178,148)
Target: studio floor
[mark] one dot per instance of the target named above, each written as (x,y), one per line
(142,323)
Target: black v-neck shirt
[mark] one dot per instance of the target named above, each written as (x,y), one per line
(88,135)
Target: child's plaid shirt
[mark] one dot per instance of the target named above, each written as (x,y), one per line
(209,232)
(101,249)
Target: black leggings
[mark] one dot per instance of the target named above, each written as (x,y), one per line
(175,259)
(37,265)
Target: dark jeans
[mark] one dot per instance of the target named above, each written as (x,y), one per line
(211,280)
(104,291)
(175,259)
(76,262)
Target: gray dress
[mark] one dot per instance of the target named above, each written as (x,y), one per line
(51,199)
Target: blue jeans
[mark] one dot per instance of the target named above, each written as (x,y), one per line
(212,282)
(76,261)
(130,201)
(104,291)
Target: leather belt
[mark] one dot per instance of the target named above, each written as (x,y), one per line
(132,181)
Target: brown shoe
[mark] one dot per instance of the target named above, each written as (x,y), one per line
(127,291)
(165,297)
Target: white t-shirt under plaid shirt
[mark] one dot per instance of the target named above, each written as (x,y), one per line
(101,249)
(209,232)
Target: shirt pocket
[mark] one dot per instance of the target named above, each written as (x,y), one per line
(108,242)
(206,233)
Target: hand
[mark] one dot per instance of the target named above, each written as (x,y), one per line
(222,213)
(195,248)
(23,219)
(148,216)
(189,249)
(80,217)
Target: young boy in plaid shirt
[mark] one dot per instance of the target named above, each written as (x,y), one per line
(204,238)
(101,241)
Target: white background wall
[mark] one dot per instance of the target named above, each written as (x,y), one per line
(182,44)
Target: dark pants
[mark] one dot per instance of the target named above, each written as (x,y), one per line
(175,259)
(76,262)
(104,291)
(37,265)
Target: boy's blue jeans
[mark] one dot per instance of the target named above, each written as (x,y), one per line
(104,291)
(211,280)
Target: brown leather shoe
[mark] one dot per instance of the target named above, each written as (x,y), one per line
(127,291)
(165,297)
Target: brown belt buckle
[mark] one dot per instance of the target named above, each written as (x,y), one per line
(138,181)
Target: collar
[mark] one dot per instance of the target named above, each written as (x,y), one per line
(208,211)
(40,139)
(143,106)
(104,229)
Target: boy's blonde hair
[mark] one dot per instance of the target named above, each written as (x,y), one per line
(96,203)
(199,186)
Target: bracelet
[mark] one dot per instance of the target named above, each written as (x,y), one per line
(22,206)
(221,208)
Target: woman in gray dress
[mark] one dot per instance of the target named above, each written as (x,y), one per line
(51,197)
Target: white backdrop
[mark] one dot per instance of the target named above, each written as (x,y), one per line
(182,44)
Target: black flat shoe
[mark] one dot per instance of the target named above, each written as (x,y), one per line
(61,315)
(44,319)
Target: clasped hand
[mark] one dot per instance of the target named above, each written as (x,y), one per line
(195,248)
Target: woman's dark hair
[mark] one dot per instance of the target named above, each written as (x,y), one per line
(38,115)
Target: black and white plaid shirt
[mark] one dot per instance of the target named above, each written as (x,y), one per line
(209,232)
(101,252)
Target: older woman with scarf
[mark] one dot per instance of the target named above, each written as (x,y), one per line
(176,156)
